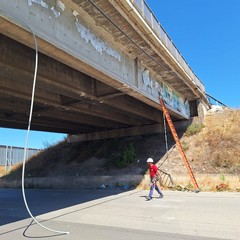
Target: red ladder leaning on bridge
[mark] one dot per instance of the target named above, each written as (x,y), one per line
(178,143)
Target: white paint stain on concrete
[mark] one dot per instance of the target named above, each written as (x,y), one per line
(41,2)
(96,42)
(147,81)
(61,5)
(55,12)
(75,13)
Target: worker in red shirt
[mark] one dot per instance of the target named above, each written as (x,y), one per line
(154,175)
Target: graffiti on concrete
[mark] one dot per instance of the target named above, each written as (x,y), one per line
(96,42)
(170,96)
(149,85)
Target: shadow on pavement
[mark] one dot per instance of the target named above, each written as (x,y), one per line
(42,201)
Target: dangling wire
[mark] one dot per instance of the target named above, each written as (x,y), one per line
(165,130)
(29,123)
(165,133)
(166,139)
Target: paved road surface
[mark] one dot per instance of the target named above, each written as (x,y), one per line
(110,214)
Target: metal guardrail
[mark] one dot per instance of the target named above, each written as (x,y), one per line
(142,7)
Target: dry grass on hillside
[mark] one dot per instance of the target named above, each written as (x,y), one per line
(221,137)
(92,158)
(215,148)
(2,171)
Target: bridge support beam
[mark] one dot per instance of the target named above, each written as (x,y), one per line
(126,132)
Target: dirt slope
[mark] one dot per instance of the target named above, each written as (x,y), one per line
(211,148)
(215,149)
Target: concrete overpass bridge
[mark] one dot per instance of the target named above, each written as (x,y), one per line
(102,65)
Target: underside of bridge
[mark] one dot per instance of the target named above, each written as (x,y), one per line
(73,97)
(66,100)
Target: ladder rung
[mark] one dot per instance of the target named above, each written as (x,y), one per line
(176,138)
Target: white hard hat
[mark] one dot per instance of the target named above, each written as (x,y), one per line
(150,160)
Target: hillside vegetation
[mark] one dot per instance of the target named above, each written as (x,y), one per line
(211,147)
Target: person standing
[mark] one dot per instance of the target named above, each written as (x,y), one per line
(154,174)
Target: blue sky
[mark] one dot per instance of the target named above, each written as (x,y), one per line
(206,32)
(17,138)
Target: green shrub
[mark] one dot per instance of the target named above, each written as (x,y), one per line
(185,145)
(189,186)
(194,128)
(124,159)
(222,178)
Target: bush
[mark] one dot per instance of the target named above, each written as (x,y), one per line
(185,145)
(124,159)
(194,128)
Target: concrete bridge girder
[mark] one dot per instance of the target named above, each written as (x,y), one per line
(99,73)
(64,88)
(156,57)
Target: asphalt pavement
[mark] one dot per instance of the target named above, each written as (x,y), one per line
(92,214)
